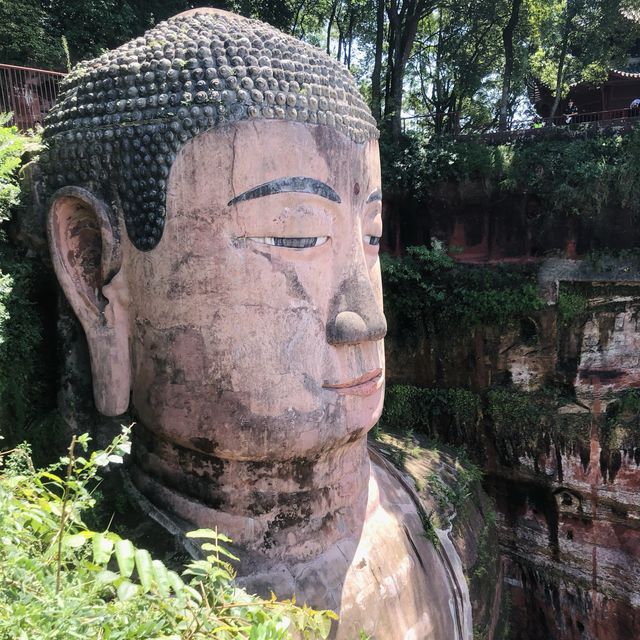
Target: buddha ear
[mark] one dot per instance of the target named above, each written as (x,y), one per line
(84,238)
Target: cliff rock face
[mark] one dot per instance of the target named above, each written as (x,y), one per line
(565,470)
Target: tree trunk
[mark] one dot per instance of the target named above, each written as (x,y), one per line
(376,76)
(349,42)
(507,39)
(561,62)
(296,17)
(404,25)
(334,7)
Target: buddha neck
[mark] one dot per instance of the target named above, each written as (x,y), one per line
(294,508)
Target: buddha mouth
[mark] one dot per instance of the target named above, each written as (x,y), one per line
(364,385)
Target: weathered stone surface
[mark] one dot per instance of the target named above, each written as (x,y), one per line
(244,331)
(568,498)
(462,517)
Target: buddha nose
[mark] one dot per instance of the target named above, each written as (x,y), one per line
(356,314)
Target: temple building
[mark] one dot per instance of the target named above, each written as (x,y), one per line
(608,100)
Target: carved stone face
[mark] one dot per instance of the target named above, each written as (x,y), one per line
(256,323)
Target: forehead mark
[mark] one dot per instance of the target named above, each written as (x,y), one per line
(294,184)
(376,196)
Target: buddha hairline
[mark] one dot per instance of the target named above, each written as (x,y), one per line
(122,117)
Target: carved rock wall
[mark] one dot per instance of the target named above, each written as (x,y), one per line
(568,501)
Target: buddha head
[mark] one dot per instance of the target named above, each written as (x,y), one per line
(214,223)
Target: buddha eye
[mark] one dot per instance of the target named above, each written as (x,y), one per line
(291,243)
(372,240)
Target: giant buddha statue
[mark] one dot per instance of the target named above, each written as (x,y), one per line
(214,223)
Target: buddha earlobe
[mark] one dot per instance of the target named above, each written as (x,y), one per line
(84,239)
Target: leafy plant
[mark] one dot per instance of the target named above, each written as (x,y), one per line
(412,408)
(427,290)
(61,580)
(28,369)
(452,496)
(570,306)
(621,427)
(12,145)
(524,422)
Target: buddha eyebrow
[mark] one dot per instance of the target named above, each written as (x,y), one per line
(374,197)
(295,184)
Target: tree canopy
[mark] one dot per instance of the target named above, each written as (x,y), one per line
(456,64)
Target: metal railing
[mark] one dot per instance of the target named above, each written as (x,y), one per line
(27,93)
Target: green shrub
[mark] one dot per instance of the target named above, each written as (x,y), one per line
(524,422)
(27,293)
(570,306)
(409,408)
(428,290)
(415,166)
(12,146)
(569,175)
(60,580)
(620,428)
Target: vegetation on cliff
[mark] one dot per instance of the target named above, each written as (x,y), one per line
(517,422)
(28,377)
(571,175)
(428,290)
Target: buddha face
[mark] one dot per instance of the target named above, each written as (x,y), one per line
(256,324)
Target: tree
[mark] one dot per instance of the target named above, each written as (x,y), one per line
(24,37)
(508,33)
(579,40)
(456,57)
(404,18)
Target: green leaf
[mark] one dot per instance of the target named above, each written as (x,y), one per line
(125,555)
(102,549)
(101,459)
(106,577)
(76,540)
(126,590)
(203,533)
(144,568)
(175,581)
(162,578)
(207,546)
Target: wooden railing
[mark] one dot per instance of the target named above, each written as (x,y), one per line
(624,118)
(27,93)
(599,118)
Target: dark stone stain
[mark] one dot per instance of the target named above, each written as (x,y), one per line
(299,469)
(585,456)
(267,540)
(610,463)
(183,260)
(260,503)
(605,375)
(513,498)
(302,472)
(203,444)
(294,286)
(289,518)
(194,474)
